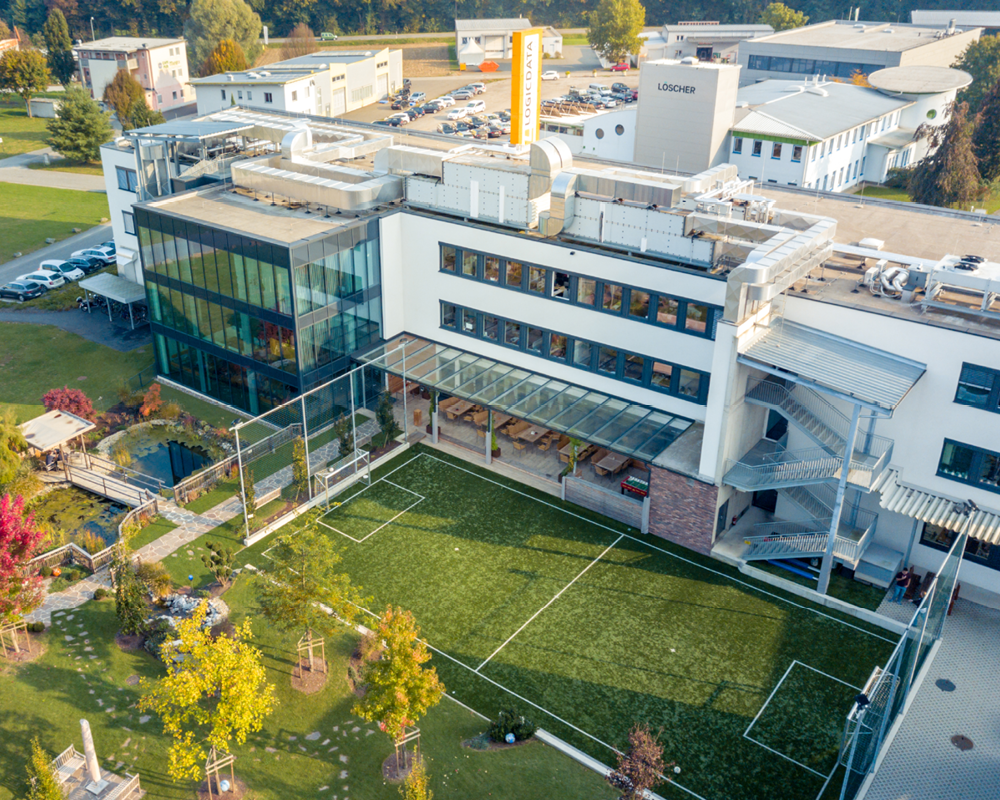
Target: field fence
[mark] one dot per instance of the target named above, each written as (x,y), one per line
(889,687)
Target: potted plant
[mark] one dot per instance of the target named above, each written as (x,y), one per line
(494,448)
(571,467)
(433,408)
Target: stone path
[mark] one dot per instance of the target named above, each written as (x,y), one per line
(189,527)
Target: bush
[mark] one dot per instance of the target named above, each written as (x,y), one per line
(155,577)
(91,542)
(170,411)
(46,572)
(161,632)
(100,594)
(509,721)
(898,178)
(36,627)
(120,454)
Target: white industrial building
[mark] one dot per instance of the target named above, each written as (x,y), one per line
(706,41)
(323,84)
(479,40)
(987,19)
(841,48)
(605,134)
(159,65)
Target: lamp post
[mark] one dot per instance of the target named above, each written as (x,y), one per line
(93,38)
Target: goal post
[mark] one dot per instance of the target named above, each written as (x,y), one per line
(357,463)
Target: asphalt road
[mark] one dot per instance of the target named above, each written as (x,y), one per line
(29,262)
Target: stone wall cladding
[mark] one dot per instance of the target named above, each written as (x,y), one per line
(682,509)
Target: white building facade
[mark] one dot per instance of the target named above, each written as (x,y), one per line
(706,41)
(479,40)
(159,65)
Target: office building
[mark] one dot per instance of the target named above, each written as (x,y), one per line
(159,65)
(479,40)
(706,41)
(323,84)
(841,48)
(988,20)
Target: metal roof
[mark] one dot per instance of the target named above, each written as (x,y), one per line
(116,288)
(870,376)
(190,129)
(512,24)
(631,429)
(937,509)
(760,124)
(54,428)
(819,110)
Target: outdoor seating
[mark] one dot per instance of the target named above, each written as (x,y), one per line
(544,444)
(599,456)
(481,417)
(518,445)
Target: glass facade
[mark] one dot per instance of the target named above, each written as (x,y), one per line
(250,322)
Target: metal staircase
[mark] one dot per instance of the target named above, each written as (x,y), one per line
(816,501)
(779,469)
(808,538)
(805,409)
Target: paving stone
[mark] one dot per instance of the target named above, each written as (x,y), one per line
(144,719)
(343,772)
(343,758)
(270,750)
(312,737)
(70,638)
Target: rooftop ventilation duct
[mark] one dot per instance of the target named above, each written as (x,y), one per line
(547,159)
(296,142)
(343,189)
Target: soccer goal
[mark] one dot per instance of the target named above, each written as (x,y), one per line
(334,479)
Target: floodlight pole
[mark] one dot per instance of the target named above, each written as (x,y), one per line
(243,491)
(354,426)
(838,505)
(404,394)
(305,444)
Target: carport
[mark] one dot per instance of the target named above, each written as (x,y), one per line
(114,288)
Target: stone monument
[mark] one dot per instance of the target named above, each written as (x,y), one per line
(97,783)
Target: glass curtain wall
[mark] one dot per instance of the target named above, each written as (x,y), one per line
(226,322)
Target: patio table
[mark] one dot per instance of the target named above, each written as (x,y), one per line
(457,409)
(612,462)
(514,430)
(532,434)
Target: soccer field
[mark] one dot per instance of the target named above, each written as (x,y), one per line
(590,626)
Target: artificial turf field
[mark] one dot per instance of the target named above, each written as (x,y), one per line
(590,626)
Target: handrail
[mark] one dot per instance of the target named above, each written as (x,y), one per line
(125,788)
(64,757)
(809,464)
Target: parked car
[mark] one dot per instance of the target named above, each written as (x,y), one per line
(402,118)
(622,66)
(399,103)
(550,75)
(44,277)
(386,122)
(500,125)
(475,107)
(104,254)
(111,246)
(414,113)
(505,115)
(445,100)
(463,128)
(69,271)
(417,98)
(620,87)
(431,107)
(459,112)
(476,121)
(478,88)
(462,94)
(87,264)
(447,128)
(22,290)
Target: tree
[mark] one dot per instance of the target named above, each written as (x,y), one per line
(60,47)
(42,782)
(345,436)
(211,21)
(986,139)
(981,60)
(219,560)
(300,42)
(227,56)
(415,787)
(5,31)
(151,401)
(305,573)
(72,400)
(24,72)
(386,419)
(249,493)
(143,116)
(123,93)
(130,592)
(859,78)
(12,444)
(215,694)
(615,26)
(398,688)
(300,468)
(641,767)
(79,128)
(21,589)
(948,175)
(782,18)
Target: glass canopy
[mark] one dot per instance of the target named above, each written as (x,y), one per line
(628,428)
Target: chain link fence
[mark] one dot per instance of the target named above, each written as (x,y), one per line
(889,687)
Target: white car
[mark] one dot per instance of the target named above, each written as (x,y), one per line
(445,100)
(105,254)
(478,88)
(69,271)
(44,277)
(458,113)
(475,107)
(550,75)
(462,94)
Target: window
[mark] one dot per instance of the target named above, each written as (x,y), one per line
(690,383)
(536,338)
(662,374)
(638,304)
(581,354)
(295,96)
(491,269)
(268,97)
(557,347)
(512,274)
(223,94)
(825,179)
(738,145)
(129,219)
(666,312)
(469,263)
(979,387)
(757,147)
(249,95)
(697,317)
(619,129)
(512,333)
(776,150)
(797,152)
(175,95)
(239,95)
(971,465)
(468,321)
(634,366)
(536,280)
(491,327)
(607,360)
(448,315)
(812,153)
(448,258)
(128,179)
(599,133)
(612,300)
(585,289)
(941,538)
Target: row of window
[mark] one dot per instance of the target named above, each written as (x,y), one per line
(698,319)
(338,336)
(979,387)
(337,276)
(972,465)
(687,384)
(854,136)
(976,550)
(809,66)
(268,96)
(776,149)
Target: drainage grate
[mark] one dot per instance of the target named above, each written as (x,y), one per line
(944,685)
(962,742)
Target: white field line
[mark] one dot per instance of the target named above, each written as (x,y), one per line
(557,596)
(782,755)
(665,552)
(773,692)
(389,522)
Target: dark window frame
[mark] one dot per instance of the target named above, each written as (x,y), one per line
(992,397)
(977,454)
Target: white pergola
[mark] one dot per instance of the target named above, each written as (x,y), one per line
(114,288)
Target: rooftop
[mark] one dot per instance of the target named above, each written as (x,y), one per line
(919,79)
(128,44)
(324,58)
(54,428)
(511,24)
(986,18)
(270,76)
(810,110)
(849,35)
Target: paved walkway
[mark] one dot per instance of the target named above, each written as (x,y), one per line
(922,763)
(95,327)
(14,169)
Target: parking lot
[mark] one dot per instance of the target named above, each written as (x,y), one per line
(497,95)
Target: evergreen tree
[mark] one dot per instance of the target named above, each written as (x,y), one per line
(615,26)
(79,128)
(42,783)
(948,175)
(130,593)
(143,116)
(60,47)
(986,139)
(227,56)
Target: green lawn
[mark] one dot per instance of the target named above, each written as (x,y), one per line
(596,627)
(576,39)
(31,214)
(843,588)
(36,358)
(216,416)
(63,165)
(49,697)
(157,528)
(991,202)
(20,133)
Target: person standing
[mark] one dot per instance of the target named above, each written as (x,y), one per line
(902,581)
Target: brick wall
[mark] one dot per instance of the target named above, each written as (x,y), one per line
(682,509)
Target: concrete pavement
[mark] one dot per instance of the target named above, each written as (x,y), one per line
(94,326)
(15,170)
(80,241)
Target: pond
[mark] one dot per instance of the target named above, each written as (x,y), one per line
(166,453)
(70,512)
